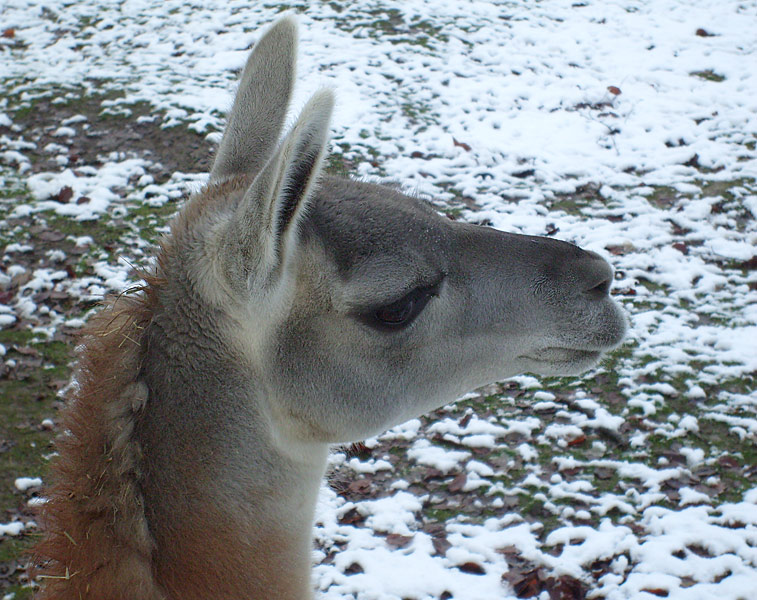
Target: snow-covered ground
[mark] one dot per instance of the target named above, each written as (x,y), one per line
(625,126)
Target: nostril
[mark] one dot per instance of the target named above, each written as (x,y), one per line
(600,290)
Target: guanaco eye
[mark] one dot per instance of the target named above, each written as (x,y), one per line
(401,313)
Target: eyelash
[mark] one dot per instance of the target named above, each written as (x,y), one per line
(401,313)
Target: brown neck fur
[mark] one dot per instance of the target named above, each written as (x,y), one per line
(97,543)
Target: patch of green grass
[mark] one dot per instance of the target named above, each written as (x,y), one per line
(574,202)
(17,592)
(439,515)
(16,337)
(104,234)
(663,196)
(28,397)
(708,75)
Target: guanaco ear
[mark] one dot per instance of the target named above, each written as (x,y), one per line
(265,223)
(260,107)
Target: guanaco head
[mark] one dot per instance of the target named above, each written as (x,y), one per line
(356,306)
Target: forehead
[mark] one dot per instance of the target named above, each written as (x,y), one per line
(361,224)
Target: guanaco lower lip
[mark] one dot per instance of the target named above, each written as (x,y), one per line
(555,355)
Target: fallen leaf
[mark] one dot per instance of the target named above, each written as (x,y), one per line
(509,551)
(441,545)
(620,249)
(523,174)
(462,145)
(458,483)
(565,588)
(615,91)
(472,568)
(360,486)
(656,592)
(397,540)
(526,584)
(65,194)
(351,517)
(9,33)
(354,569)
(729,462)
(749,265)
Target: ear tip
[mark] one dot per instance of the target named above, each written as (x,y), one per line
(322,103)
(286,25)
(324,99)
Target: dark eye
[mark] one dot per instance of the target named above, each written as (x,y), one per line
(401,313)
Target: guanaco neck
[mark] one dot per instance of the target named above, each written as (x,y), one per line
(230,508)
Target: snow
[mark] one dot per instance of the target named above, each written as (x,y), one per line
(529,88)
(11,528)
(24,483)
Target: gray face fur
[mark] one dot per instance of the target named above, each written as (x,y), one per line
(357,307)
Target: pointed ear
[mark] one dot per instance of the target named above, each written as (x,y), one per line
(261,103)
(265,223)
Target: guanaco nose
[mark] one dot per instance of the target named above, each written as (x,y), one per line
(572,270)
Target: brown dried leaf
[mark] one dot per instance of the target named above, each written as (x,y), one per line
(750,265)
(620,249)
(681,247)
(65,194)
(462,145)
(615,91)
(441,545)
(656,592)
(577,441)
(396,540)
(9,33)
(351,517)
(354,569)
(472,568)
(508,551)
(729,462)
(565,588)
(458,483)
(360,486)
(526,584)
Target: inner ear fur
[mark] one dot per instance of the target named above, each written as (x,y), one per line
(266,219)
